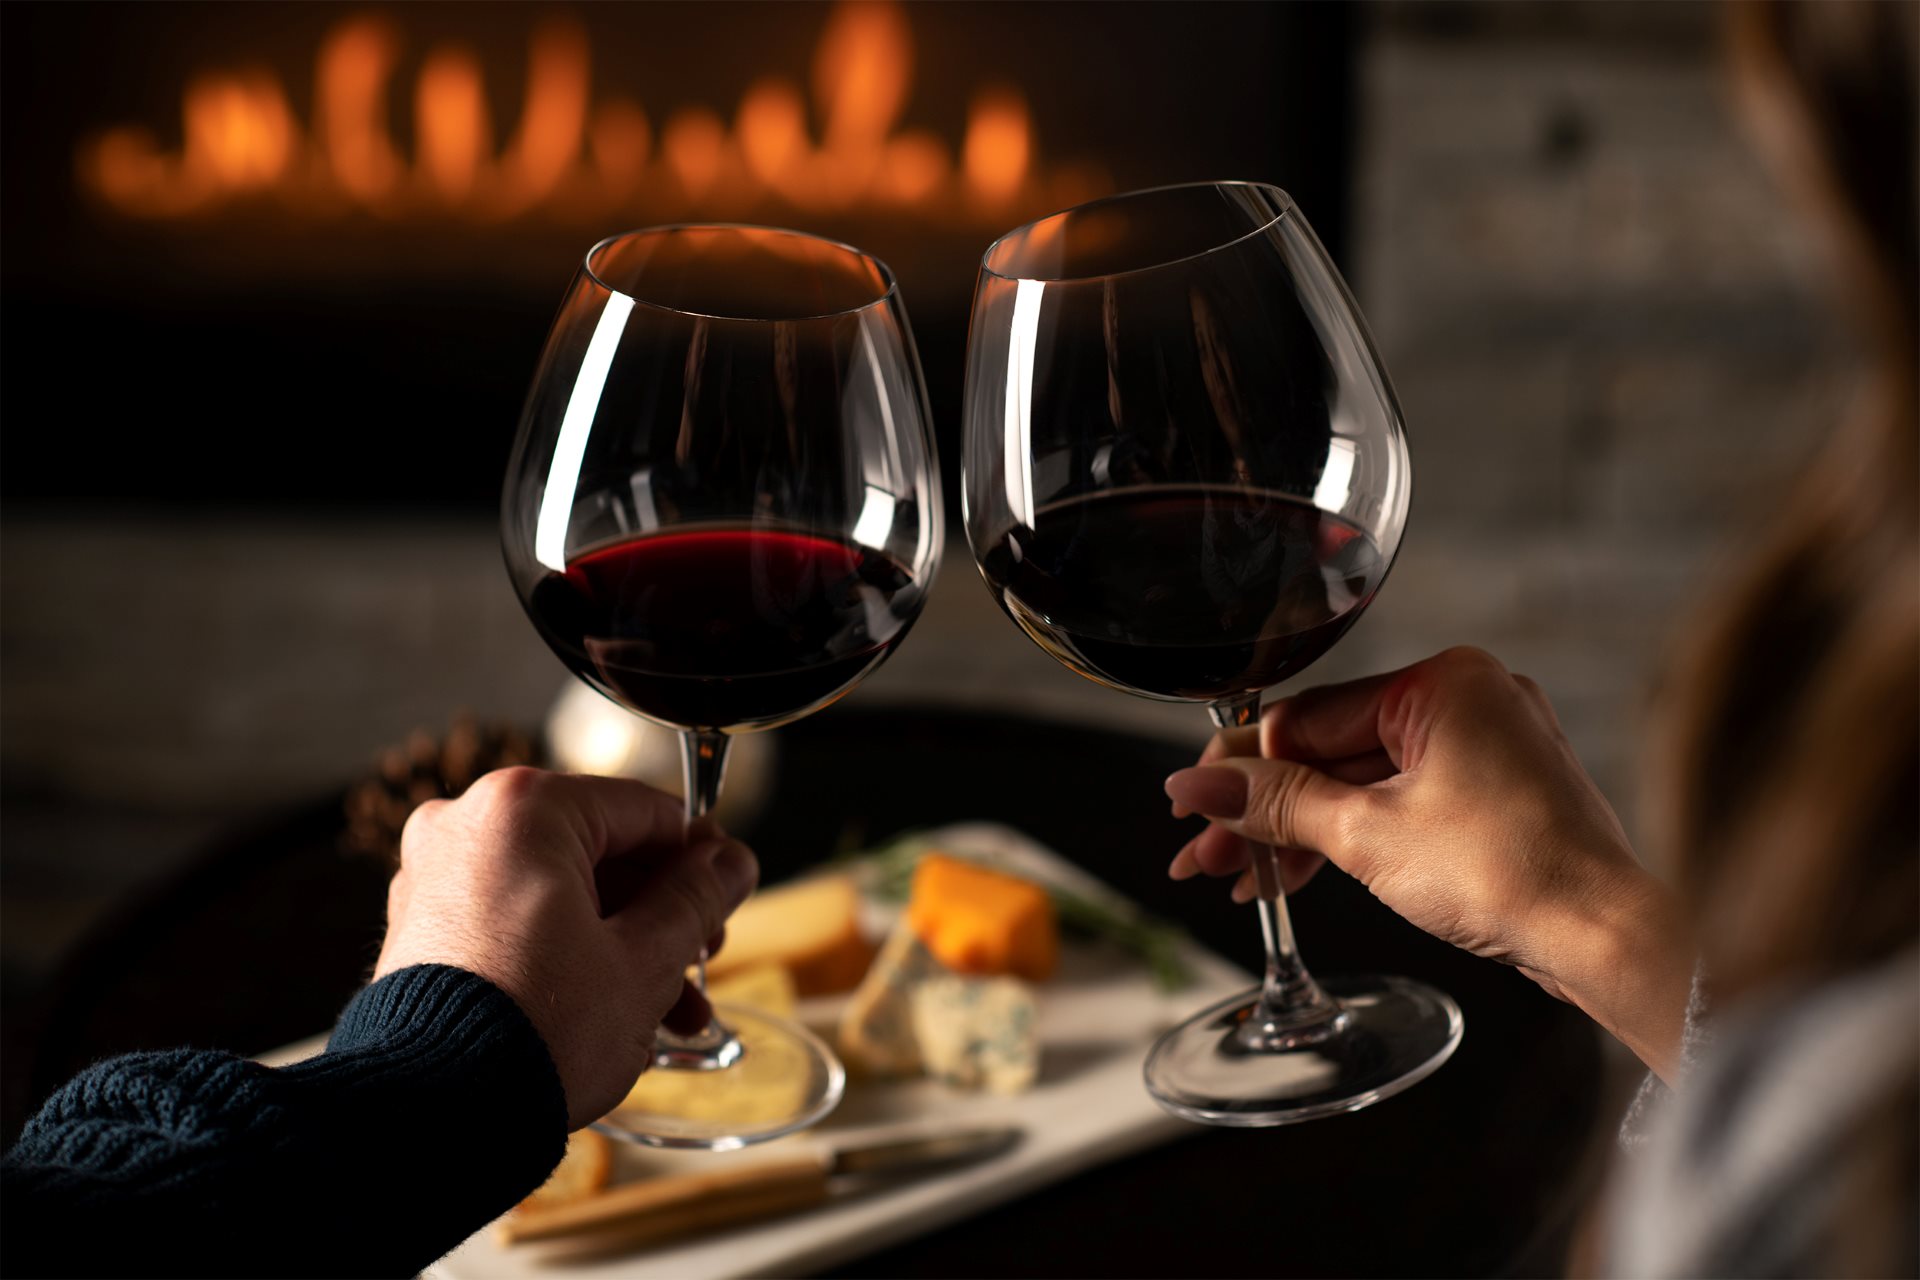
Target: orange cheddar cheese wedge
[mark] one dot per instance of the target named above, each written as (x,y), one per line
(978,921)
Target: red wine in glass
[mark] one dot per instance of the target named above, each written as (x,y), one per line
(1189,593)
(724,627)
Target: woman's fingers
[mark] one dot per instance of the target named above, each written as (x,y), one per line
(1243,741)
(1539,697)
(1357,771)
(1217,851)
(1297,866)
(1332,722)
(1277,802)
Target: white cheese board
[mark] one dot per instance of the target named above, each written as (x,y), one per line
(1095,1019)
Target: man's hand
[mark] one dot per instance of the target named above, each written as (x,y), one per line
(582,898)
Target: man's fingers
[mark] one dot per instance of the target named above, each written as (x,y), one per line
(416,831)
(690,1013)
(610,816)
(1279,802)
(399,893)
(685,897)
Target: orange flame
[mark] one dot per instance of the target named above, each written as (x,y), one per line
(351,93)
(861,71)
(239,130)
(915,165)
(548,140)
(998,145)
(125,166)
(772,126)
(450,112)
(240,136)
(695,145)
(619,141)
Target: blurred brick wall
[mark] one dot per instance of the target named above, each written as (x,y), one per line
(1606,334)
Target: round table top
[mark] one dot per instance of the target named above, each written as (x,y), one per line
(1480,1169)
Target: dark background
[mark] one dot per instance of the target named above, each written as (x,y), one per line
(249,463)
(251,358)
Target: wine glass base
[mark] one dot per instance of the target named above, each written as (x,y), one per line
(785,1080)
(1393,1033)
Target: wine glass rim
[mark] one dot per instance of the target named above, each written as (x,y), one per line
(885,296)
(1287,206)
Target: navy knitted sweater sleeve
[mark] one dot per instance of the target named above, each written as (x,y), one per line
(434,1109)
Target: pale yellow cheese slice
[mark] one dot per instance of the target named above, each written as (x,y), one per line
(810,928)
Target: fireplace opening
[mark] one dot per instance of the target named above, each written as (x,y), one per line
(303,257)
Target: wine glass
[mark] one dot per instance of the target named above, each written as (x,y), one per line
(722,511)
(1185,476)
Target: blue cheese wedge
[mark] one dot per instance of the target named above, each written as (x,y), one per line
(876,1030)
(977,1033)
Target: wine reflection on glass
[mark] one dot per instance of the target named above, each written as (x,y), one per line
(723,511)
(1186,476)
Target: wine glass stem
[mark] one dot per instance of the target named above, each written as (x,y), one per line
(703,764)
(1289,997)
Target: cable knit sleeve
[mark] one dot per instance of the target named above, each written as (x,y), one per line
(434,1109)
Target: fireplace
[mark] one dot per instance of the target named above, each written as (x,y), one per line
(303,257)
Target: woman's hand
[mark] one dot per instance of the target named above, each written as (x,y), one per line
(1449,790)
(583,899)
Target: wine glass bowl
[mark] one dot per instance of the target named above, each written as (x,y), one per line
(1186,476)
(722,510)
(723,507)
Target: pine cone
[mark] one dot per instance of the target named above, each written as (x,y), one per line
(426,768)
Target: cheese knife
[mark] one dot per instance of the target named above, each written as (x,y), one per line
(656,1209)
